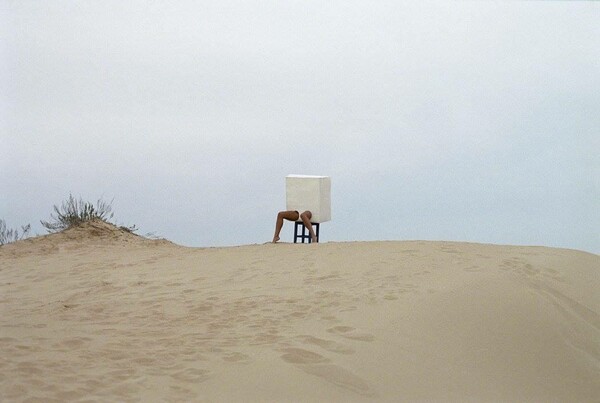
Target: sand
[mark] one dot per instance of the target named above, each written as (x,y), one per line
(98,314)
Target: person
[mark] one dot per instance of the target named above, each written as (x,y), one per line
(294,215)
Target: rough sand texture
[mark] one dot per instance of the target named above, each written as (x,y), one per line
(97,314)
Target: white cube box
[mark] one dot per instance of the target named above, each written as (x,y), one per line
(308,192)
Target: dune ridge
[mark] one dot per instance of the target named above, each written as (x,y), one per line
(96,313)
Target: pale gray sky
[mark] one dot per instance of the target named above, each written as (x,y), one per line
(465,121)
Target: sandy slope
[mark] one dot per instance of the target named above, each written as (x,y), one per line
(97,314)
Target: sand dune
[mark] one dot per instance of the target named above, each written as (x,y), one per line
(98,314)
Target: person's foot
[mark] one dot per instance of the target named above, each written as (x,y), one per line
(275,239)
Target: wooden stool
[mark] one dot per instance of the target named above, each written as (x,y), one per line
(305,233)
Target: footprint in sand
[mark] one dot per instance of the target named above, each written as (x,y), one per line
(340,377)
(328,345)
(191,375)
(351,333)
(145,361)
(235,357)
(301,356)
(75,342)
(317,365)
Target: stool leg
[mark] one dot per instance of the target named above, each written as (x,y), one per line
(295,232)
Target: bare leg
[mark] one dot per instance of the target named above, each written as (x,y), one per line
(306,216)
(288,215)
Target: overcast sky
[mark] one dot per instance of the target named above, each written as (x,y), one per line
(463,121)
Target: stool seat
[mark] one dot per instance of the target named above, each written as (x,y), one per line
(305,233)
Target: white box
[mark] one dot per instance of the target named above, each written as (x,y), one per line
(307,192)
